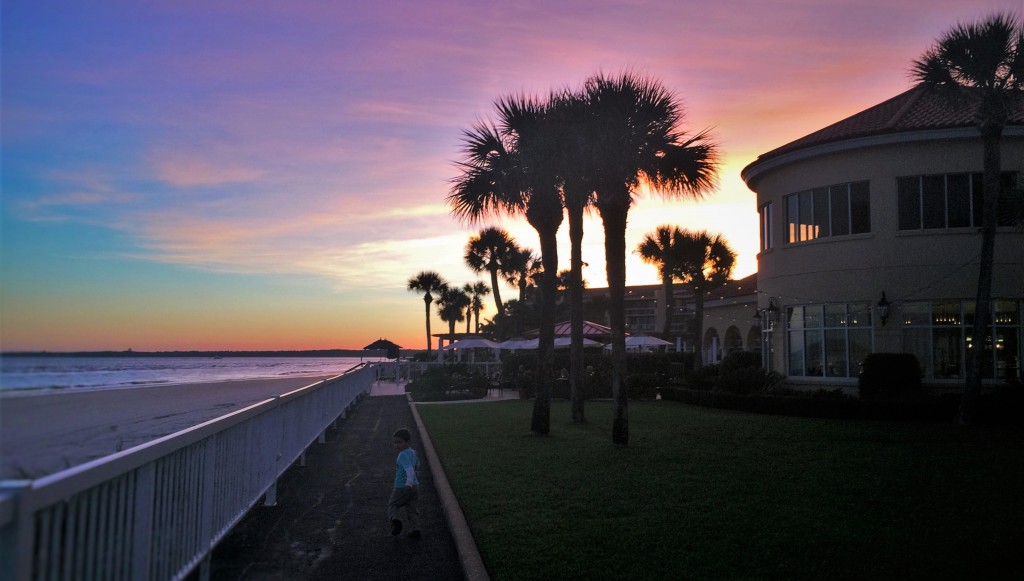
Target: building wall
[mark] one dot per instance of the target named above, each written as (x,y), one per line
(911,267)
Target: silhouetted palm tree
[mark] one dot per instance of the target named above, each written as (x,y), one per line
(637,140)
(508,171)
(980,67)
(477,291)
(427,282)
(704,261)
(451,305)
(659,248)
(576,161)
(523,265)
(489,251)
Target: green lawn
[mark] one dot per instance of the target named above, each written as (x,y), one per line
(710,494)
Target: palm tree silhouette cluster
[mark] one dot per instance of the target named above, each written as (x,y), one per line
(574,151)
(594,149)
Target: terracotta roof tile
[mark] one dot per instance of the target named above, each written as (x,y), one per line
(913,110)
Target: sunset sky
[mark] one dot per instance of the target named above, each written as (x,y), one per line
(268,175)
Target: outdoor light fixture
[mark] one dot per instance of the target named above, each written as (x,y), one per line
(883,308)
(768,316)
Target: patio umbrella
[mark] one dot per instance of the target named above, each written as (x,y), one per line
(567,341)
(513,344)
(645,341)
(472,342)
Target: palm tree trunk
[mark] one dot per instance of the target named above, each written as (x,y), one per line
(426,301)
(698,322)
(666,329)
(497,294)
(541,420)
(614,222)
(983,304)
(576,379)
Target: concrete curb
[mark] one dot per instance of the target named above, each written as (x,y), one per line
(472,562)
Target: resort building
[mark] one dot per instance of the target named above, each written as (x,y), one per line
(870,243)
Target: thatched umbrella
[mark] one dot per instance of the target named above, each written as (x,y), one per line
(388,347)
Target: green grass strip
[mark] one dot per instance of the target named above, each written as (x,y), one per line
(710,494)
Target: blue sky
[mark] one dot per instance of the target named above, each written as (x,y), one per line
(263,175)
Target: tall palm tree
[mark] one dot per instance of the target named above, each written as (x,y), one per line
(477,291)
(451,306)
(489,251)
(507,171)
(980,66)
(637,141)
(660,249)
(576,163)
(704,261)
(427,282)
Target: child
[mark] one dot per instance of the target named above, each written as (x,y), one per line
(406,486)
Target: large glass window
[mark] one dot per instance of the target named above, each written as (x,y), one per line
(940,334)
(836,210)
(947,200)
(767,243)
(828,340)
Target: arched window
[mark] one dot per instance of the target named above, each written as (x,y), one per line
(733,340)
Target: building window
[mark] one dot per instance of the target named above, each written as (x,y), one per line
(767,242)
(828,340)
(940,333)
(947,200)
(837,210)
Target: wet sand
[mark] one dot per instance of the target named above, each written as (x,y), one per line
(44,433)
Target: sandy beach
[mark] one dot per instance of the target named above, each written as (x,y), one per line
(46,433)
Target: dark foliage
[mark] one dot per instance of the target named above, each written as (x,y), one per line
(890,376)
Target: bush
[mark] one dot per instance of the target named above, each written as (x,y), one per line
(446,382)
(703,378)
(740,360)
(643,385)
(747,380)
(890,376)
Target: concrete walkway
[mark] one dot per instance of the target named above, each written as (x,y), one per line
(330,521)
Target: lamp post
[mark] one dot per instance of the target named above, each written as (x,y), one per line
(766,319)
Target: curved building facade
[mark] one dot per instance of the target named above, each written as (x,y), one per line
(870,241)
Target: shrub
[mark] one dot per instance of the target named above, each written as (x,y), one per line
(747,380)
(703,378)
(740,360)
(890,376)
(643,385)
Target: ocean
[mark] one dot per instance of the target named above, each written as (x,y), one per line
(45,374)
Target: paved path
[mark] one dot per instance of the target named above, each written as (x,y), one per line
(329,522)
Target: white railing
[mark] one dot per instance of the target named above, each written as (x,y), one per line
(155,511)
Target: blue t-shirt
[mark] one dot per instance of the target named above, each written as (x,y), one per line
(405,470)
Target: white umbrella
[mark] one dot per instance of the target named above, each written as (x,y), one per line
(513,344)
(472,342)
(645,341)
(567,341)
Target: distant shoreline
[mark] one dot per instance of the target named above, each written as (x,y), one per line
(130,353)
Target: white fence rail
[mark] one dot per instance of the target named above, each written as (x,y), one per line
(155,511)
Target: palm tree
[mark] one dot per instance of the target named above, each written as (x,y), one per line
(636,141)
(451,305)
(507,170)
(477,291)
(660,249)
(704,261)
(522,266)
(573,119)
(489,251)
(980,66)
(427,282)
